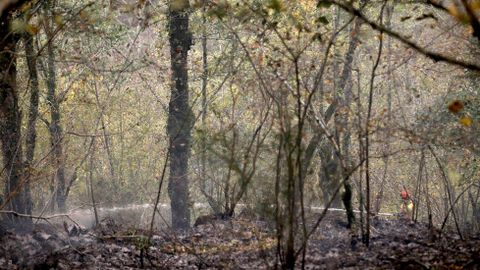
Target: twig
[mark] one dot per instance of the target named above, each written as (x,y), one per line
(39,217)
(447,187)
(430,54)
(159,191)
(325,210)
(367,128)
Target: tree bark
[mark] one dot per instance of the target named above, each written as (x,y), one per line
(180,115)
(31,135)
(346,87)
(10,122)
(330,173)
(386,151)
(56,132)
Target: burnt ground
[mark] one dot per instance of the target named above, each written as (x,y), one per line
(235,244)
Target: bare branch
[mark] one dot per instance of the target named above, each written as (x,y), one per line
(430,54)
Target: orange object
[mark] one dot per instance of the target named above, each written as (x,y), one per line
(455,107)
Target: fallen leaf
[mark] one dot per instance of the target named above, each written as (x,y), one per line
(466,121)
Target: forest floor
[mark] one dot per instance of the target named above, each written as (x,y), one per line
(235,244)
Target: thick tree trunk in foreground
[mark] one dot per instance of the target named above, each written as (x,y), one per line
(31,135)
(10,122)
(180,116)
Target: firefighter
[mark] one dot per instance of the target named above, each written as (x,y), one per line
(406,207)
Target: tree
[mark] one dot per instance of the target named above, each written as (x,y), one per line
(55,128)
(179,114)
(31,134)
(10,116)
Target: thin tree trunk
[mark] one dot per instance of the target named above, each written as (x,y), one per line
(111,158)
(416,195)
(427,199)
(361,155)
(204,88)
(367,135)
(291,212)
(278,211)
(180,115)
(56,132)
(345,86)
(91,168)
(206,186)
(379,198)
(106,140)
(450,206)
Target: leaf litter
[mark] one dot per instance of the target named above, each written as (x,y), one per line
(236,243)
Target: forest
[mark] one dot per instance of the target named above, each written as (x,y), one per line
(240,134)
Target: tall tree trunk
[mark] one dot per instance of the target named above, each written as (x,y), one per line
(390,80)
(206,186)
(180,115)
(331,173)
(328,175)
(346,88)
(106,140)
(31,135)
(10,122)
(376,63)
(56,132)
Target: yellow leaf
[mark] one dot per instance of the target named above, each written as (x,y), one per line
(83,14)
(475,5)
(31,29)
(178,5)
(452,9)
(128,8)
(58,20)
(466,121)
(460,15)
(18,26)
(25,7)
